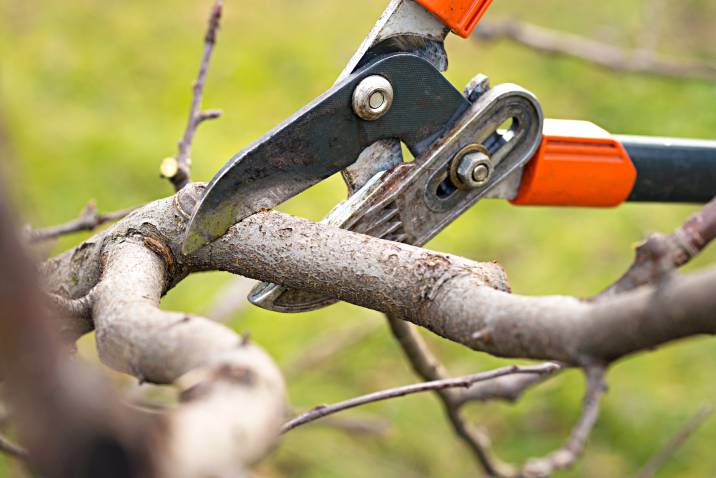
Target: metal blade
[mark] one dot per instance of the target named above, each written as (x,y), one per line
(322,139)
(404,26)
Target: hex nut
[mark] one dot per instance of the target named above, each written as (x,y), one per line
(372,98)
(471,167)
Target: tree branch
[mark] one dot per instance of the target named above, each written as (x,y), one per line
(89,220)
(177,170)
(229,387)
(676,442)
(553,42)
(461,300)
(660,254)
(566,456)
(429,368)
(324,410)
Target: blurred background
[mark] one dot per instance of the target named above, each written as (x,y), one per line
(94,94)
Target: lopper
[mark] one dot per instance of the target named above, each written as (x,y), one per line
(483,142)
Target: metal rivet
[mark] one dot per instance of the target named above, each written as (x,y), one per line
(372,98)
(471,167)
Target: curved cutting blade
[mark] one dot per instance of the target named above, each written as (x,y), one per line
(322,139)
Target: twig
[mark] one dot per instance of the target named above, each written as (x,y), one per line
(508,389)
(11,449)
(676,442)
(89,220)
(560,43)
(566,456)
(466,381)
(661,254)
(177,170)
(429,368)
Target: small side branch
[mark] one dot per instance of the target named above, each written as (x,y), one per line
(553,42)
(661,254)
(464,382)
(566,456)
(89,220)
(676,442)
(429,368)
(177,170)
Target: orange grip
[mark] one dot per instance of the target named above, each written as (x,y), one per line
(461,16)
(578,164)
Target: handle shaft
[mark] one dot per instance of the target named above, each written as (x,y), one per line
(672,170)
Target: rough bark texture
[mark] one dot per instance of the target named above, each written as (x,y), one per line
(461,300)
(232,394)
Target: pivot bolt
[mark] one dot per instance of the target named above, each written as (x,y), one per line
(372,98)
(471,168)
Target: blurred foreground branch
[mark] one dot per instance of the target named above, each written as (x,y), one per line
(676,442)
(554,42)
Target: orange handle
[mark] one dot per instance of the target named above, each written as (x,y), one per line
(578,164)
(461,16)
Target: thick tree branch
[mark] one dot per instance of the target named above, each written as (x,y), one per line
(660,254)
(466,381)
(177,170)
(232,394)
(553,42)
(461,300)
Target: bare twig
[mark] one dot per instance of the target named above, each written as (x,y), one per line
(89,220)
(560,43)
(661,254)
(177,170)
(676,442)
(11,449)
(507,389)
(429,368)
(466,381)
(566,456)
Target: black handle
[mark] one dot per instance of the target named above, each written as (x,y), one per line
(672,170)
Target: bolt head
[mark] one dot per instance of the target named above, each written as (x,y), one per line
(372,98)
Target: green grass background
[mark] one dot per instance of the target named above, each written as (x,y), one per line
(95,93)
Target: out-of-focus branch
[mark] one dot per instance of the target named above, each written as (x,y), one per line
(507,389)
(466,381)
(661,254)
(11,449)
(553,42)
(566,456)
(676,442)
(178,170)
(89,220)
(429,368)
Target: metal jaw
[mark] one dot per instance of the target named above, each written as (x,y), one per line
(415,201)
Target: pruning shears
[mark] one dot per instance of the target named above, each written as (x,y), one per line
(483,142)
